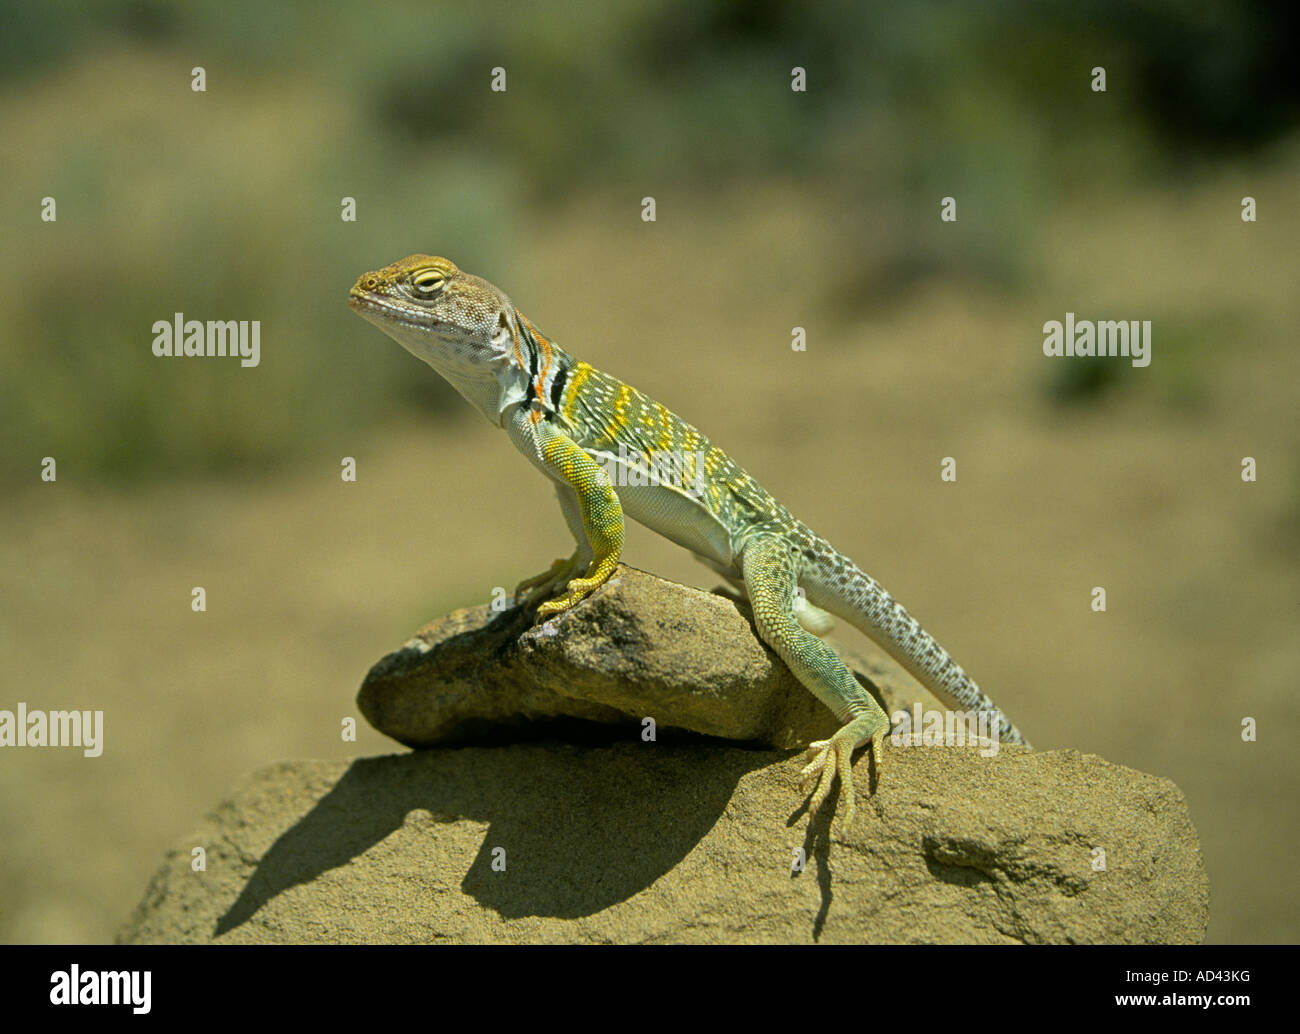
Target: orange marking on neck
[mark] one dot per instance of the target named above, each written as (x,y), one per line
(546,357)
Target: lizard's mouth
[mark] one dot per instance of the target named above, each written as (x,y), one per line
(386,315)
(363,302)
(370,308)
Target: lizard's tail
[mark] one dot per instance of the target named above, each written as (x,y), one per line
(863,602)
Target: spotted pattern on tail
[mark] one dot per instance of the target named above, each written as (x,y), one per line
(839,585)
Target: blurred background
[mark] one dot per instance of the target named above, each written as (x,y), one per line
(775,209)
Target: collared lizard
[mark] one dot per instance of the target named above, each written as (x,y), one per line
(579,425)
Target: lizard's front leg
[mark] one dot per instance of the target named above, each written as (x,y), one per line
(770,577)
(601,513)
(540,586)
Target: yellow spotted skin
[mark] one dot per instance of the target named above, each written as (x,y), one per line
(602,517)
(598,439)
(601,413)
(580,374)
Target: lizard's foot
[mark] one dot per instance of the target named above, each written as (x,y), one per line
(579,590)
(541,584)
(835,757)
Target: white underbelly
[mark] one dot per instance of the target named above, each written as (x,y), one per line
(678,518)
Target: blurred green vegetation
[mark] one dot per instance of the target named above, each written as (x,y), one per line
(225,205)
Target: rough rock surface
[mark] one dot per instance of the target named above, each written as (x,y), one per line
(636,842)
(638,647)
(592,835)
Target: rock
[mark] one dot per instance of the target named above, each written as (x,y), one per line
(638,647)
(688,842)
(598,836)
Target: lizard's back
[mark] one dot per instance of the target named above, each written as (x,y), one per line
(667,474)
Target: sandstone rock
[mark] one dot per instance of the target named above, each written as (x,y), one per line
(690,842)
(638,647)
(595,836)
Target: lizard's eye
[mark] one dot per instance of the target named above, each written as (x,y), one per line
(428,282)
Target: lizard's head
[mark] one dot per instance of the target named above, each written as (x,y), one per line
(450,319)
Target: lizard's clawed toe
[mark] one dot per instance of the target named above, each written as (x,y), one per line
(831,759)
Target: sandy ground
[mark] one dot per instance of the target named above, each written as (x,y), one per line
(309,580)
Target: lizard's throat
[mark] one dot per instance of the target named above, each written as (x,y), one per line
(491,389)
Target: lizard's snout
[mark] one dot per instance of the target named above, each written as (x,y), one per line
(364,290)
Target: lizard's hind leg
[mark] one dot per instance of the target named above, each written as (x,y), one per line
(771,573)
(817,621)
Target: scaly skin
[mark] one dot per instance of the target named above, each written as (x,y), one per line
(579,426)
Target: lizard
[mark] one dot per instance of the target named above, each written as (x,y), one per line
(578,424)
